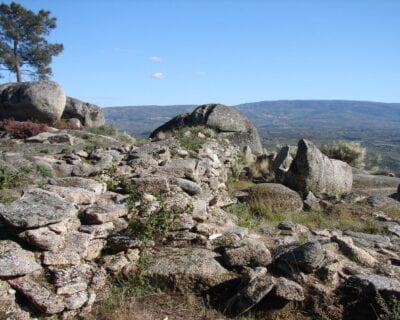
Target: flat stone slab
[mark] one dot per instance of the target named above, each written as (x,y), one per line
(89,184)
(376,282)
(37,208)
(15,261)
(187,268)
(103,213)
(40,297)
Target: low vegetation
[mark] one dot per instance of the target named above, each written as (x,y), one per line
(111,131)
(351,152)
(154,226)
(23,129)
(194,137)
(342,217)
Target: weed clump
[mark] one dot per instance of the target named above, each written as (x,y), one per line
(23,129)
(351,152)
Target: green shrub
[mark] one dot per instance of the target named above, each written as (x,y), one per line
(154,226)
(190,137)
(104,130)
(42,170)
(351,152)
(7,178)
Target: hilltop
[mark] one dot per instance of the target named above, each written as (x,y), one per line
(375,124)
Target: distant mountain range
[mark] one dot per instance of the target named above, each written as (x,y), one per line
(375,124)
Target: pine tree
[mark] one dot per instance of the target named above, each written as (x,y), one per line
(23,46)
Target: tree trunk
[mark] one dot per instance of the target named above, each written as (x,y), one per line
(17,66)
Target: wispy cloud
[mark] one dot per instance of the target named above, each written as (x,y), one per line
(200,73)
(155,59)
(158,75)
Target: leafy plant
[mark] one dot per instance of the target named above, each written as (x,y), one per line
(192,138)
(154,226)
(7,178)
(45,172)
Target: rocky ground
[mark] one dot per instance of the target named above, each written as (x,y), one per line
(98,229)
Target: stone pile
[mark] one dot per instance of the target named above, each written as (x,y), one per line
(65,237)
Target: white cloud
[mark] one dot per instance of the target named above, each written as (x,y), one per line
(155,59)
(200,73)
(158,75)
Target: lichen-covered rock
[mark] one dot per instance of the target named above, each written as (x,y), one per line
(43,239)
(311,202)
(250,252)
(75,195)
(353,252)
(188,186)
(43,101)
(313,171)
(186,269)
(40,297)
(154,184)
(78,182)
(227,122)
(288,290)
(275,197)
(53,138)
(89,114)
(37,208)
(103,213)
(375,283)
(305,258)
(15,261)
(9,309)
(256,284)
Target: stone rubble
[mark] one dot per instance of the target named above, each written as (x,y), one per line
(66,237)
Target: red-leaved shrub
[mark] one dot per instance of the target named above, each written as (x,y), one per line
(23,129)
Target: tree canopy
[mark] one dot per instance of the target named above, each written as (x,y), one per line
(23,45)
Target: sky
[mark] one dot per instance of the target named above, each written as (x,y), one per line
(147,52)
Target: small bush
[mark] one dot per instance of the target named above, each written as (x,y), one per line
(154,226)
(191,138)
(104,130)
(42,170)
(23,129)
(351,152)
(7,179)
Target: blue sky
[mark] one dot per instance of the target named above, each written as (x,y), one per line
(143,52)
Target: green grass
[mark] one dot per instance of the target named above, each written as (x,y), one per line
(42,170)
(111,131)
(104,130)
(189,139)
(235,185)
(343,218)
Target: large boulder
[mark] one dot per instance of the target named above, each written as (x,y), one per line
(226,121)
(41,101)
(275,197)
(313,171)
(89,114)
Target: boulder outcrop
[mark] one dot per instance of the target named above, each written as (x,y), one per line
(275,197)
(226,121)
(41,101)
(313,171)
(89,114)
